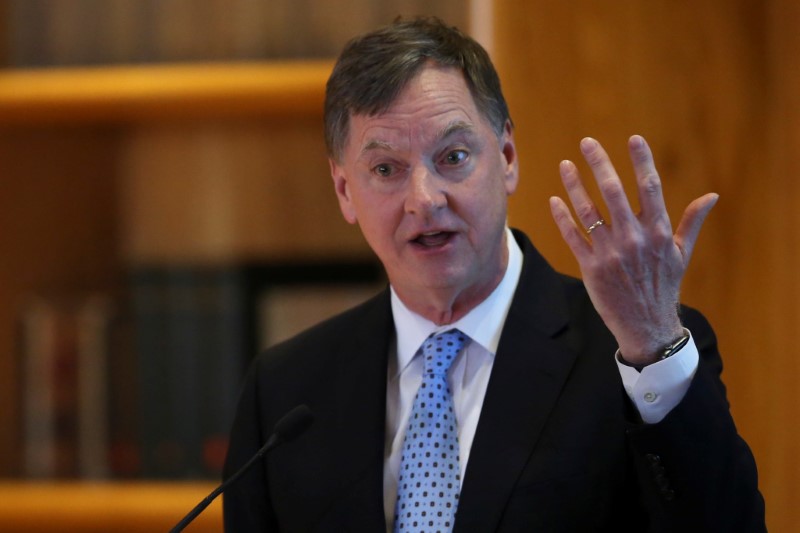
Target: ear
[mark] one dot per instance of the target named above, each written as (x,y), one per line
(509,153)
(342,188)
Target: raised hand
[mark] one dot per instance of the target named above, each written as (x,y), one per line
(632,264)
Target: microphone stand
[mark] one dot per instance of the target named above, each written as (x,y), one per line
(290,426)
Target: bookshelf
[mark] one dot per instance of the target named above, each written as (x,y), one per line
(99,508)
(112,169)
(136,94)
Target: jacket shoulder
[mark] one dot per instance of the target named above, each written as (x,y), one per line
(329,335)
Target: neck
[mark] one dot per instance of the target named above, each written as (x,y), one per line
(442,311)
(446,305)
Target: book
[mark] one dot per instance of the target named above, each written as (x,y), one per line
(64,354)
(190,328)
(196,330)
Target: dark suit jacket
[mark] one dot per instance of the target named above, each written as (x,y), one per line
(558,447)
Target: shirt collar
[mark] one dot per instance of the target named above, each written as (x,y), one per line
(483,324)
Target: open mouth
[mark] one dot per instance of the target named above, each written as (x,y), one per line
(433,239)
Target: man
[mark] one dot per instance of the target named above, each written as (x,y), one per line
(562,406)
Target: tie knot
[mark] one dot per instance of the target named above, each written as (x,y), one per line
(440,350)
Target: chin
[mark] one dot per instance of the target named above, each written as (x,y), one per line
(445,280)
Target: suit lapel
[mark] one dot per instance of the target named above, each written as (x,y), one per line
(530,368)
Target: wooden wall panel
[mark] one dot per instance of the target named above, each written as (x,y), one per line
(713,86)
(775,287)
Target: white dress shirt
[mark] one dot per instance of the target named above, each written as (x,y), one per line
(654,391)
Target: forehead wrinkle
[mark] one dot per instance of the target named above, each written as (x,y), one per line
(454,128)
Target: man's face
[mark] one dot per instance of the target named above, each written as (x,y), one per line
(428,182)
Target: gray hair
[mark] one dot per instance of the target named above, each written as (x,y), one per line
(374,68)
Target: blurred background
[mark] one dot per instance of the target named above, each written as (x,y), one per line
(166,209)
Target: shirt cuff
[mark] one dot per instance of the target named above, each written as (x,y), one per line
(659,387)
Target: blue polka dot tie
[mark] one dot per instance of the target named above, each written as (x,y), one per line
(430,477)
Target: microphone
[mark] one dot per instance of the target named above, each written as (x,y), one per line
(289,427)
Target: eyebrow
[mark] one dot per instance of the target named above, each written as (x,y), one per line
(453,128)
(376,145)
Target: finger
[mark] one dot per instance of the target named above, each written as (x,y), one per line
(570,232)
(608,182)
(691,223)
(651,196)
(583,205)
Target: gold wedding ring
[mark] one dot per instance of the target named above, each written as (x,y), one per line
(594,226)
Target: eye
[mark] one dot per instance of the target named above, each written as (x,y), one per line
(455,157)
(384,170)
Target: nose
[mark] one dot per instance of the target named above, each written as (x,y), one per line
(425,192)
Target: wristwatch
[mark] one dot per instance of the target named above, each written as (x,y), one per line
(668,351)
(675,347)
